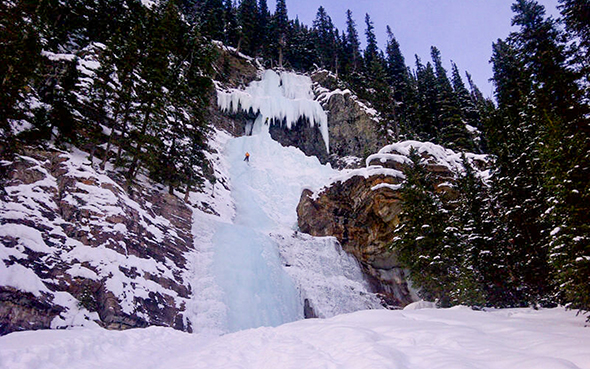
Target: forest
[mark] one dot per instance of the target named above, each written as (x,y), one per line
(131,84)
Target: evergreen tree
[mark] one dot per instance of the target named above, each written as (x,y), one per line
(352,45)
(514,136)
(213,18)
(300,50)
(576,14)
(231,32)
(263,25)
(423,242)
(325,39)
(450,122)
(399,79)
(248,22)
(471,217)
(467,106)
(372,50)
(19,58)
(426,106)
(396,67)
(571,214)
(280,30)
(564,145)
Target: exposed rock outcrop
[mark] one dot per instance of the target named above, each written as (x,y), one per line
(362,210)
(78,246)
(362,218)
(302,135)
(354,127)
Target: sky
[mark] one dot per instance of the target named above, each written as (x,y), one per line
(463,30)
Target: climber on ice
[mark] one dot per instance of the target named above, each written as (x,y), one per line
(247,158)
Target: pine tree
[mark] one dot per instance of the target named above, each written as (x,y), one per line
(300,50)
(162,31)
(231,32)
(427,118)
(399,79)
(571,245)
(280,31)
(451,124)
(471,217)
(372,50)
(396,67)
(325,39)
(515,136)
(564,146)
(353,45)
(19,58)
(576,14)
(467,106)
(248,21)
(263,26)
(423,242)
(213,18)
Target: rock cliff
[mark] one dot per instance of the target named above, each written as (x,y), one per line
(354,126)
(361,209)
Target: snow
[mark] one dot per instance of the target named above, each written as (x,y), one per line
(21,278)
(280,97)
(57,57)
(402,339)
(446,157)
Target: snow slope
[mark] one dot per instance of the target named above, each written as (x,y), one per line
(457,338)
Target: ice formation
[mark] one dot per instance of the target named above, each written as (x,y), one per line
(280,97)
(255,269)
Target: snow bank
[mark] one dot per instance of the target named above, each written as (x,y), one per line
(418,339)
(400,152)
(280,97)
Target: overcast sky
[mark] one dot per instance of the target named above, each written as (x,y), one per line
(463,30)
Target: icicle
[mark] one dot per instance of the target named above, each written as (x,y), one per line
(286,97)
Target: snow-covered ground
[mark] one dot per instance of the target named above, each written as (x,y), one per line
(457,338)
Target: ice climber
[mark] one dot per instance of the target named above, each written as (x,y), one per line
(247,158)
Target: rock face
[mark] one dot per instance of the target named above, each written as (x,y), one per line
(362,219)
(354,127)
(362,210)
(79,247)
(303,136)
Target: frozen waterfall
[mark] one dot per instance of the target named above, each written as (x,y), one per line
(256,269)
(282,97)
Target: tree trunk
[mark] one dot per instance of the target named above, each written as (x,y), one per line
(135,161)
(187,193)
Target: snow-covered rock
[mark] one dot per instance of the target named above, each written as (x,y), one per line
(78,248)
